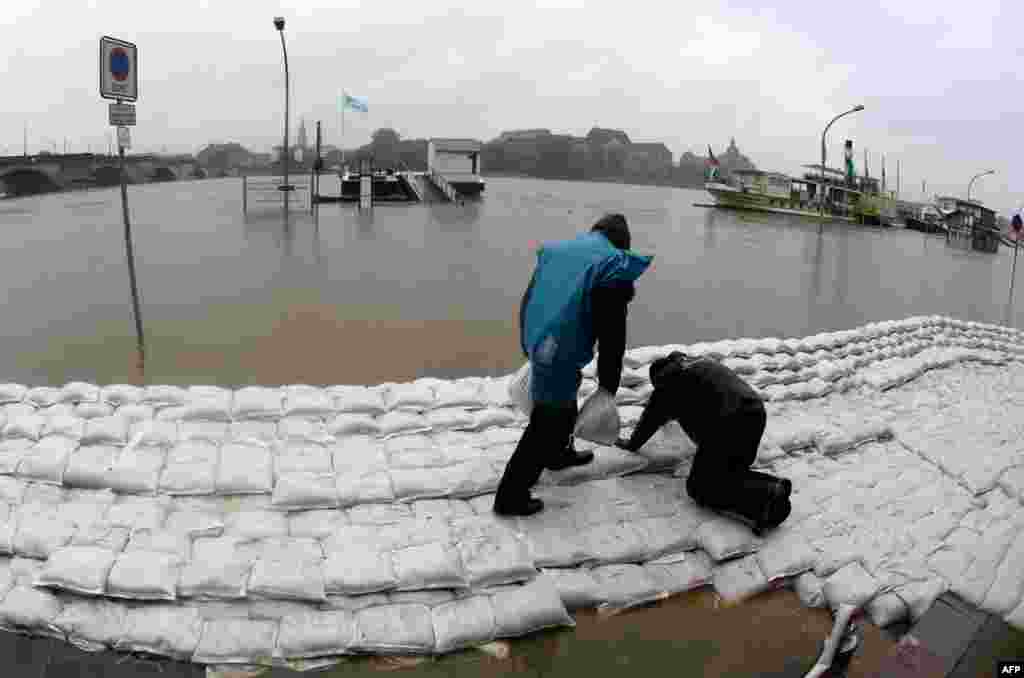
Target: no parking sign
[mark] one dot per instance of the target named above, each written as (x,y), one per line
(119,69)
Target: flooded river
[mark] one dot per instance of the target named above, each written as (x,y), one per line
(426,290)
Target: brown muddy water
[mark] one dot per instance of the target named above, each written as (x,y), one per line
(427,290)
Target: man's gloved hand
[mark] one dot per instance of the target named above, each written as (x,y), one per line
(623,443)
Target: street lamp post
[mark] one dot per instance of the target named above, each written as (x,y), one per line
(279,24)
(971,183)
(823,188)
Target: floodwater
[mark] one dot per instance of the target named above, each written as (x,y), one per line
(426,290)
(433,290)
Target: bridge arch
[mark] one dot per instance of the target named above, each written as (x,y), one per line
(18,181)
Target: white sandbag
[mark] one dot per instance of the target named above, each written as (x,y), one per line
(111,430)
(688,571)
(358,453)
(851,585)
(450,419)
(495,392)
(441,509)
(256,524)
(216,432)
(194,523)
(350,424)
(725,538)
(12,393)
(43,396)
(190,469)
(405,628)
(68,426)
(161,541)
(299,457)
(144,575)
(79,392)
(429,566)
(41,531)
(463,623)
(79,569)
(92,625)
(162,630)
(554,546)
(886,609)
(357,569)
(153,433)
(102,536)
(93,410)
(138,513)
(33,609)
(465,393)
(615,543)
(257,402)
(12,491)
(137,470)
(739,579)
(163,396)
(487,419)
(358,487)
(244,469)
(496,560)
(785,556)
(219,569)
(643,356)
(500,436)
(307,402)
(397,422)
(209,406)
(293,578)
(626,586)
(121,394)
(316,634)
(261,431)
(135,413)
(358,399)
(236,641)
(576,586)
(529,608)
(28,426)
(46,460)
(411,397)
(609,462)
(1007,588)
(11,454)
(302,490)
(663,535)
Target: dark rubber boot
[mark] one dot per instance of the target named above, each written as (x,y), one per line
(526,507)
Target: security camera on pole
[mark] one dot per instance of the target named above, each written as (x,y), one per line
(119,80)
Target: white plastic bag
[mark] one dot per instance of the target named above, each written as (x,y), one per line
(599,421)
(519,389)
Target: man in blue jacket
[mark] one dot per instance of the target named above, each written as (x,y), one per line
(578,295)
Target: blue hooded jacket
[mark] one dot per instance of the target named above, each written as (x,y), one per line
(556,320)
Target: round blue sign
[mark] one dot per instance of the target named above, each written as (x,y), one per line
(120,64)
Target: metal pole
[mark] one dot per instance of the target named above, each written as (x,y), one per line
(971,183)
(245,194)
(284,155)
(824,132)
(131,258)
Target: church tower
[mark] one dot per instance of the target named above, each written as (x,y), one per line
(303,142)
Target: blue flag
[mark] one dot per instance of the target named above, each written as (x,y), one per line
(351,103)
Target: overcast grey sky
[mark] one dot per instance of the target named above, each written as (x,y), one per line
(939,78)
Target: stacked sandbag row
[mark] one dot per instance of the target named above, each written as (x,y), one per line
(275,633)
(812,367)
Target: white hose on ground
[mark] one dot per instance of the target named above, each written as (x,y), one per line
(828,655)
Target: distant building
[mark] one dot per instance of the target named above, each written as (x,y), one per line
(521,134)
(600,136)
(648,160)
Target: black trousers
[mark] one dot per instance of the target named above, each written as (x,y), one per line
(721,477)
(549,433)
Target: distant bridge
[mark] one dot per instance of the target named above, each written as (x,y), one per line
(29,174)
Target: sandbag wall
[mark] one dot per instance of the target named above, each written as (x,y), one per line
(271,525)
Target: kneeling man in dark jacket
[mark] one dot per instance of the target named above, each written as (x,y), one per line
(725,418)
